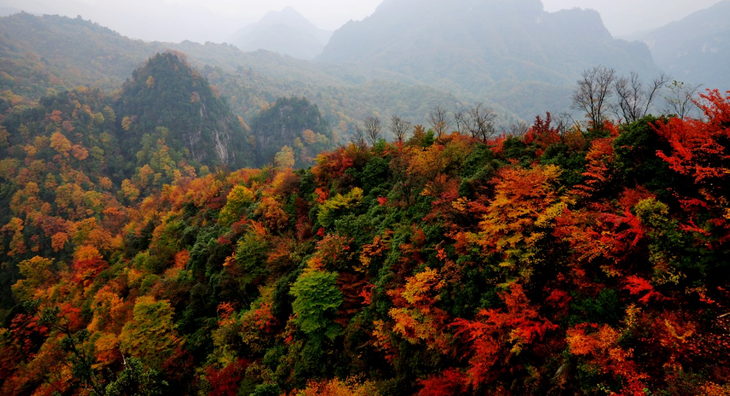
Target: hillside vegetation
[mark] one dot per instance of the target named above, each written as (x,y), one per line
(185,219)
(577,262)
(45,55)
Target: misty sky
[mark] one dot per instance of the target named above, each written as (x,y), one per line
(620,16)
(217,20)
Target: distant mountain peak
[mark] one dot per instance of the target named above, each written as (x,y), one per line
(480,47)
(695,49)
(167,92)
(287,15)
(289,10)
(287,32)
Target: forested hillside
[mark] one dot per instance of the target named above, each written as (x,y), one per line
(44,55)
(410,58)
(167,93)
(695,49)
(580,261)
(186,219)
(286,32)
(78,157)
(290,120)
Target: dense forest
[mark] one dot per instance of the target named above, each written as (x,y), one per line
(186,219)
(565,260)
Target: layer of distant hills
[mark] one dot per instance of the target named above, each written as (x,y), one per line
(695,49)
(286,32)
(405,59)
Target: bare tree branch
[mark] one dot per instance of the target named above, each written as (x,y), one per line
(437,119)
(680,99)
(399,128)
(461,119)
(358,138)
(481,122)
(516,129)
(634,101)
(373,129)
(593,92)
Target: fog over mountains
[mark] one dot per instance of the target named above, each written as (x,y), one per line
(510,55)
(695,49)
(150,20)
(286,32)
(444,198)
(476,44)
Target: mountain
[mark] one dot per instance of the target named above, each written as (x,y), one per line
(564,260)
(477,45)
(141,19)
(44,55)
(289,120)
(167,93)
(52,52)
(695,49)
(286,32)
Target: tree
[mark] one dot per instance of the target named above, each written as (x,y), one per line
(680,99)
(634,100)
(136,379)
(518,128)
(499,335)
(526,204)
(60,143)
(373,129)
(284,158)
(316,302)
(399,128)
(416,315)
(700,149)
(358,138)
(238,199)
(593,93)
(150,335)
(461,119)
(481,122)
(38,273)
(437,119)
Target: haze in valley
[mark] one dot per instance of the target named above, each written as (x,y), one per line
(218,20)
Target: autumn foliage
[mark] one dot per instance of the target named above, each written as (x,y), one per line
(556,262)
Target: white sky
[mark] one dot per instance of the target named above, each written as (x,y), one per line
(217,20)
(326,14)
(620,16)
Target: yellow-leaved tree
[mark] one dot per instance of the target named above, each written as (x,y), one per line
(150,335)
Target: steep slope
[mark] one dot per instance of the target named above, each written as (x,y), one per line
(52,52)
(168,93)
(292,120)
(42,55)
(76,158)
(696,49)
(544,264)
(286,32)
(477,44)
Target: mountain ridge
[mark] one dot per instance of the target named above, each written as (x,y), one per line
(695,49)
(479,48)
(287,32)
(512,44)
